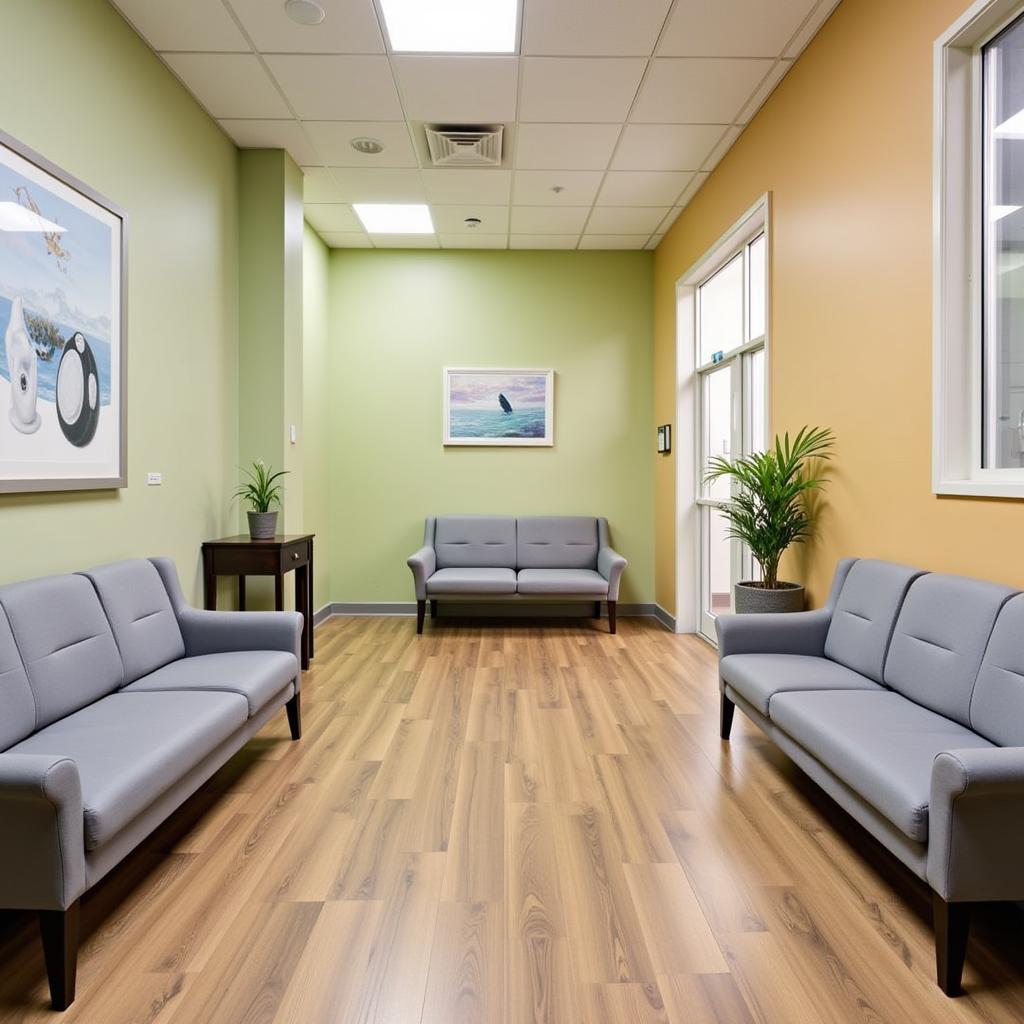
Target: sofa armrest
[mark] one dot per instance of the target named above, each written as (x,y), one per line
(789,633)
(423,564)
(610,564)
(976,824)
(42,856)
(220,632)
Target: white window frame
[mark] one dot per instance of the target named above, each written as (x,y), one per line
(690,376)
(957,379)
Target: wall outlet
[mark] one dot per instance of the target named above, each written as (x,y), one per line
(154,479)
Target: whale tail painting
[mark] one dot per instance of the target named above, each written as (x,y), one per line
(506,405)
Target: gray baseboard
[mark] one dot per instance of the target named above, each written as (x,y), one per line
(322,614)
(668,621)
(469,609)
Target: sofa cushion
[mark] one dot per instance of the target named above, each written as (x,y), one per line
(757,678)
(939,640)
(865,614)
(475,541)
(256,675)
(65,643)
(556,542)
(17,706)
(140,613)
(997,704)
(877,742)
(472,581)
(561,581)
(132,747)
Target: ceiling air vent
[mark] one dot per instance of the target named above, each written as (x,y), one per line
(465,146)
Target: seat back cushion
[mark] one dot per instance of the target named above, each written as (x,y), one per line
(940,639)
(17,705)
(482,542)
(65,643)
(865,613)
(556,542)
(140,614)
(997,704)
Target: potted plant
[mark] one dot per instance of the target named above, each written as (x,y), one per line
(769,511)
(260,492)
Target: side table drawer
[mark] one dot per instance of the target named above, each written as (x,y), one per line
(294,555)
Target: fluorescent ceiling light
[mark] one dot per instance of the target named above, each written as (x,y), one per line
(451,26)
(15,217)
(999,212)
(395,218)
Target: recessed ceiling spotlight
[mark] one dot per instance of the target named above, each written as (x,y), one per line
(370,147)
(473,222)
(305,12)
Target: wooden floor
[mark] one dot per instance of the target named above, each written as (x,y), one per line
(511,823)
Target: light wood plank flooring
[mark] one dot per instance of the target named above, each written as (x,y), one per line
(510,823)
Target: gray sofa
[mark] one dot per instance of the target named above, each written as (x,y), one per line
(504,558)
(119,701)
(903,698)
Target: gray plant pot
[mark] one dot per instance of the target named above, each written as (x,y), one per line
(262,525)
(752,597)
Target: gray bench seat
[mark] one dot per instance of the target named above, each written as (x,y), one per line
(472,580)
(561,581)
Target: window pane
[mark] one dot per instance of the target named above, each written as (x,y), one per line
(721,310)
(754,412)
(717,549)
(1003,271)
(718,425)
(758,283)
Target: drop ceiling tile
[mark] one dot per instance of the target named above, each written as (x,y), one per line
(723,147)
(543,241)
(229,84)
(350,27)
(346,239)
(184,25)
(379,185)
(686,90)
(642,188)
(332,217)
(594,27)
(732,28)
(319,186)
(543,220)
(405,242)
(670,219)
(625,220)
(253,134)
(565,146)
(810,28)
(654,242)
(592,89)
(613,241)
(471,240)
(332,88)
(458,90)
(536,188)
(466,185)
(333,142)
(691,190)
(451,219)
(764,90)
(660,147)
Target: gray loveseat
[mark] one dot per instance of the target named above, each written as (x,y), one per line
(503,558)
(903,698)
(119,701)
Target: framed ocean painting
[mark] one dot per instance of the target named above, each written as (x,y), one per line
(62,329)
(499,407)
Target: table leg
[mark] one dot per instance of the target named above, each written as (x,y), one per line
(279,591)
(209,582)
(241,593)
(302,604)
(312,602)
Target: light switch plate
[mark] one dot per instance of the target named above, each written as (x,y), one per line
(154,479)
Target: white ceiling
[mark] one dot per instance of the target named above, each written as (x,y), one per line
(624,105)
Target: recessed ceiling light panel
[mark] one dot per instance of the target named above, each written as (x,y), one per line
(451,26)
(305,12)
(395,218)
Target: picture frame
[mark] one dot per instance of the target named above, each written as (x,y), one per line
(63,329)
(487,406)
(665,439)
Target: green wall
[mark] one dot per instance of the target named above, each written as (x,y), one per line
(77,85)
(397,318)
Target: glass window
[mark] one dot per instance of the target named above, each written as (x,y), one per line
(758,285)
(754,414)
(718,407)
(717,568)
(721,310)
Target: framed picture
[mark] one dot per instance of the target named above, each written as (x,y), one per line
(62,329)
(499,407)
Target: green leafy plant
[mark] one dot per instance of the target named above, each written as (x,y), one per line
(770,510)
(261,490)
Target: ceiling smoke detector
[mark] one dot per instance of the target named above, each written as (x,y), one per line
(472,222)
(367,146)
(465,146)
(305,12)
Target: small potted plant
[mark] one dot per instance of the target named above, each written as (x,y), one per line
(260,492)
(769,511)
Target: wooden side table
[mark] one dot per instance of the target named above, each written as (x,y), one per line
(241,556)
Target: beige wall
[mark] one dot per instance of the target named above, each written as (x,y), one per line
(844,146)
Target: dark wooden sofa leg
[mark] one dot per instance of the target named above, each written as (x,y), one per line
(952,923)
(433,608)
(59,929)
(294,709)
(421,613)
(611,616)
(725,719)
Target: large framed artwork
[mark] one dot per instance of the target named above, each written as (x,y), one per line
(62,329)
(499,407)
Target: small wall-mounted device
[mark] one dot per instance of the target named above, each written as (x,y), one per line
(154,479)
(665,438)
(293,434)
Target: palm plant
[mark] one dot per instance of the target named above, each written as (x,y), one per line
(769,510)
(261,490)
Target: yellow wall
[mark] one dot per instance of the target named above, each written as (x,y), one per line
(845,147)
